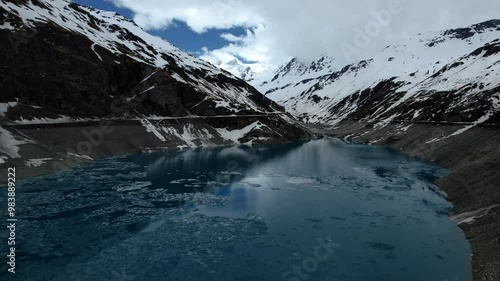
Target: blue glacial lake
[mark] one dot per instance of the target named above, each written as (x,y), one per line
(322,210)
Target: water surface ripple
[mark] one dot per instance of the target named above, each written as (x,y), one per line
(322,210)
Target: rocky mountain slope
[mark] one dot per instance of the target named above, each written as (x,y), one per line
(434,96)
(67,66)
(451,76)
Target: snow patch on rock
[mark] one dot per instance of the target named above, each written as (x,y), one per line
(36,162)
(236,135)
(9,145)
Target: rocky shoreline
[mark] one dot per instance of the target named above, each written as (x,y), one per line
(52,147)
(472,154)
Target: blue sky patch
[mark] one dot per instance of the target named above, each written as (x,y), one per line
(178,33)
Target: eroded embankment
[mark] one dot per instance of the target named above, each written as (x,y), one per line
(39,149)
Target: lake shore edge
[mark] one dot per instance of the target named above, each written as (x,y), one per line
(472,154)
(44,149)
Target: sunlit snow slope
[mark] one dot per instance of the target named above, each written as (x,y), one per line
(451,76)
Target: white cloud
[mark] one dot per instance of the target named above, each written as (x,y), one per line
(306,29)
(200,15)
(231,38)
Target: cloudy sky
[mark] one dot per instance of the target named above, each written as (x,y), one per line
(272,31)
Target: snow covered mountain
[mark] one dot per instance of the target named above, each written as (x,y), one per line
(71,66)
(110,39)
(250,72)
(286,76)
(450,76)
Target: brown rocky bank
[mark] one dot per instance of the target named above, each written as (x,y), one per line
(472,156)
(61,146)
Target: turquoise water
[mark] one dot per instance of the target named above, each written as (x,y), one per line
(322,210)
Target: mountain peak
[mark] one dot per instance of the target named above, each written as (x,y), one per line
(293,67)
(465,33)
(324,61)
(489,25)
(234,62)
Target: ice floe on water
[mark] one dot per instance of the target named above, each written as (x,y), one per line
(300,180)
(189,215)
(134,186)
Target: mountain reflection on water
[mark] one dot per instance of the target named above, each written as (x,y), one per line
(241,213)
